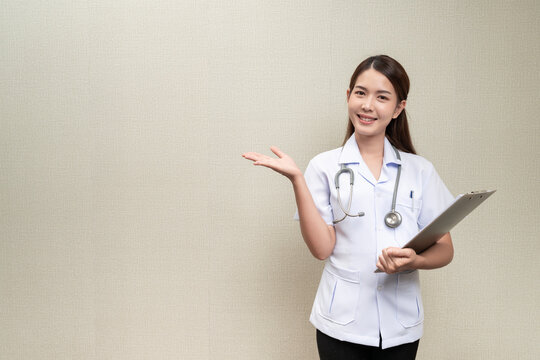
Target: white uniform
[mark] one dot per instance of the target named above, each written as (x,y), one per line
(353,303)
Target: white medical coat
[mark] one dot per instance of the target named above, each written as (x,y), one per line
(353,303)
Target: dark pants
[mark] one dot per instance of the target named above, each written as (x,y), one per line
(333,349)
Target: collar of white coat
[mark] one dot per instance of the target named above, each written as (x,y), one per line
(350,154)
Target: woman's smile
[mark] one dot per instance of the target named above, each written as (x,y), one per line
(365,119)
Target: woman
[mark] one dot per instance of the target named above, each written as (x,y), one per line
(360,314)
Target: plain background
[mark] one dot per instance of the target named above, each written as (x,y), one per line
(131,228)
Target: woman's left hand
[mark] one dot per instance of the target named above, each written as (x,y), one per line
(394,259)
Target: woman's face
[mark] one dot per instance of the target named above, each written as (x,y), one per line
(372,104)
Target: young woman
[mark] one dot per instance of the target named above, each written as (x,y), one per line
(357,206)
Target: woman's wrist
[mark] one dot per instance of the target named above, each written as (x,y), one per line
(297,178)
(418,262)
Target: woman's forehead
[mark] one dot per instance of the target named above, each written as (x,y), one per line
(373,80)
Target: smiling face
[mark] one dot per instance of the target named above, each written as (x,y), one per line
(372,104)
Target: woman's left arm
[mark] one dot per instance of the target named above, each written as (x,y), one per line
(394,259)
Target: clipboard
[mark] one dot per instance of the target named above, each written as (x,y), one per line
(462,206)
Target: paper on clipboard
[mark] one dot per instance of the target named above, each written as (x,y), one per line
(462,206)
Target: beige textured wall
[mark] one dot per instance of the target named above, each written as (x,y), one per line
(131,228)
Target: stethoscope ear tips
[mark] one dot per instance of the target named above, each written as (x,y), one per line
(392,219)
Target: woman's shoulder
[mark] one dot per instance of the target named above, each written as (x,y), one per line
(326,157)
(324,163)
(415,160)
(418,165)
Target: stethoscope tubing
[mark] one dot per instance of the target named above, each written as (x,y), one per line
(348,170)
(392,219)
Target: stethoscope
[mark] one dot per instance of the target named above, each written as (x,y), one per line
(392,219)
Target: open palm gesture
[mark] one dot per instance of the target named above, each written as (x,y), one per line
(283,164)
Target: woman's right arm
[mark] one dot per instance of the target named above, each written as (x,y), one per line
(319,236)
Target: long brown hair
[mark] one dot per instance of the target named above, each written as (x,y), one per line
(397,132)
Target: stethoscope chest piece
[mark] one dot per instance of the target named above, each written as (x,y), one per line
(392,219)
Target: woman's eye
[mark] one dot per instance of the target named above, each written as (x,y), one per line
(359,92)
(383,97)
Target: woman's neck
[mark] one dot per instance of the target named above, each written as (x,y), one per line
(372,151)
(370,146)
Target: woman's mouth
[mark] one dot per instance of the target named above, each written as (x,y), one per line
(365,118)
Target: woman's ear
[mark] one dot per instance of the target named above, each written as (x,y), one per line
(348,94)
(399,108)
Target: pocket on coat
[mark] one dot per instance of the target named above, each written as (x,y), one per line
(410,311)
(409,223)
(337,298)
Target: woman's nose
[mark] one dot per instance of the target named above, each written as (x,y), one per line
(367,105)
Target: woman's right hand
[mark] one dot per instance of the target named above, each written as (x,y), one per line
(319,237)
(284,164)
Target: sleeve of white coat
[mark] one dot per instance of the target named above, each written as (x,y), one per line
(435,198)
(318,186)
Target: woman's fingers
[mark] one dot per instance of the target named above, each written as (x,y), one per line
(396,259)
(261,159)
(251,155)
(283,164)
(381,264)
(256,157)
(387,261)
(280,154)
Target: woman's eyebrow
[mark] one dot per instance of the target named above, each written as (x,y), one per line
(378,91)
